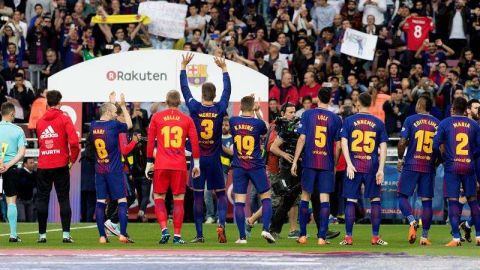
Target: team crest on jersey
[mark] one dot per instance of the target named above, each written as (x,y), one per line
(197,74)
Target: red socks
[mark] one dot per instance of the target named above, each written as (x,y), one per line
(178,213)
(161,213)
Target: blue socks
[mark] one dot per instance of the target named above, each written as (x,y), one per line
(375,216)
(349,217)
(198,216)
(324,215)
(221,207)
(474,208)
(240,219)
(405,207)
(123,217)
(266,213)
(12,219)
(427,213)
(304,217)
(100,218)
(454,211)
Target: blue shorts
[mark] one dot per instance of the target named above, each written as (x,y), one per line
(352,188)
(410,179)
(211,171)
(111,186)
(259,179)
(321,180)
(453,182)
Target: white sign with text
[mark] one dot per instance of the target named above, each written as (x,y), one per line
(168,19)
(359,44)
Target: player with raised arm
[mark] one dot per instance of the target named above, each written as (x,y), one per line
(418,167)
(168,132)
(319,131)
(363,135)
(458,139)
(110,181)
(208,117)
(249,165)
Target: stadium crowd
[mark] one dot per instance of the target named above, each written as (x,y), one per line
(424,47)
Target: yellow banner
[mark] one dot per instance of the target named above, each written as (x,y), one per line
(115,19)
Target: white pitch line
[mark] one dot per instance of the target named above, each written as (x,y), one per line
(53,230)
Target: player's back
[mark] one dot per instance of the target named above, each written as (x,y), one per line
(208,122)
(459,134)
(321,129)
(170,128)
(419,130)
(104,135)
(247,132)
(364,133)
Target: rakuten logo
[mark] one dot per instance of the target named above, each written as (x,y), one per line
(135,76)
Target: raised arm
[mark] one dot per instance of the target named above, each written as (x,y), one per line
(187,94)
(126,113)
(227,86)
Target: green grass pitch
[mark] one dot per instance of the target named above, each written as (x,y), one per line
(148,235)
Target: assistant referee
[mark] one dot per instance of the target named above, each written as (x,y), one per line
(58,150)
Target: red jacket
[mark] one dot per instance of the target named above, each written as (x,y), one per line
(290,93)
(57,140)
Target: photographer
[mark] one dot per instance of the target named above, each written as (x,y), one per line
(286,187)
(142,184)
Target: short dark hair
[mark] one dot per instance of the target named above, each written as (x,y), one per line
(26,159)
(459,105)
(247,104)
(454,72)
(19,75)
(196,30)
(208,91)
(307,97)
(365,99)
(324,95)
(53,97)
(38,5)
(426,102)
(7,108)
(286,105)
(471,101)
(258,54)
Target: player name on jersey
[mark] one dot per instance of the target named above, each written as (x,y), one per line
(364,122)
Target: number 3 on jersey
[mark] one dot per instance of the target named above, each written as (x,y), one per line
(366,138)
(207,133)
(168,141)
(244,143)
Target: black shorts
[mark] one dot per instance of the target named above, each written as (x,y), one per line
(10,179)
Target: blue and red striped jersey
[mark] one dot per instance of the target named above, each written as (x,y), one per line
(419,130)
(364,133)
(247,132)
(208,119)
(321,129)
(460,137)
(104,136)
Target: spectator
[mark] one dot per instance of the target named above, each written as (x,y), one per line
(353,84)
(38,9)
(139,118)
(30,10)
(306,105)
(22,97)
(273,110)
(395,113)
(303,20)
(433,56)
(376,8)
(277,60)
(9,72)
(37,40)
(20,27)
(300,64)
(467,60)
(370,27)
(438,74)
(26,187)
(216,22)
(255,42)
(5,10)
(351,13)
(53,65)
(379,97)
(448,89)
(285,90)
(310,88)
(39,107)
(194,21)
(459,21)
(196,44)
(322,15)
(473,90)
(424,87)
(394,79)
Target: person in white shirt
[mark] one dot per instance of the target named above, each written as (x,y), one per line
(377,8)
(194,21)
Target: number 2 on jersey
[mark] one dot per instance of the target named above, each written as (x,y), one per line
(101,148)
(244,143)
(462,141)
(207,133)
(168,141)
(367,138)
(424,141)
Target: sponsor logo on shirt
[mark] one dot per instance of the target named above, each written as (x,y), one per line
(49,133)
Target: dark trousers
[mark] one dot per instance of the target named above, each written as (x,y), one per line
(89,200)
(143,185)
(287,201)
(60,177)
(458,45)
